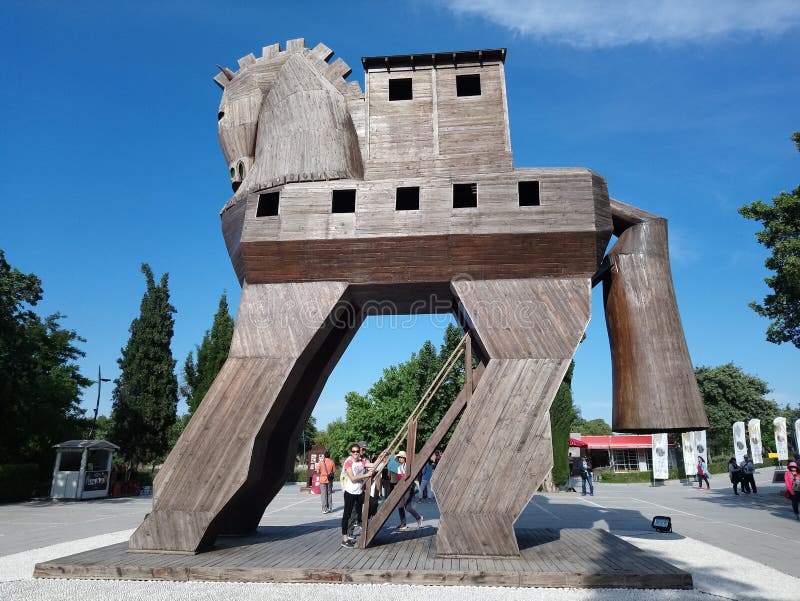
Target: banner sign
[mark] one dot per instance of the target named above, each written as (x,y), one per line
(689,455)
(660,459)
(781,443)
(754,433)
(739,442)
(797,435)
(96,480)
(700,445)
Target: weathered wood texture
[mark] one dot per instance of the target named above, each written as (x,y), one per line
(239,446)
(320,124)
(520,268)
(304,131)
(528,330)
(311,553)
(433,132)
(374,525)
(654,384)
(378,244)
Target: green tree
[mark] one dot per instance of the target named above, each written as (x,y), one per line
(381,412)
(211,355)
(730,395)
(339,439)
(321,437)
(102,429)
(145,396)
(307,437)
(781,235)
(177,429)
(562,415)
(592,427)
(39,383)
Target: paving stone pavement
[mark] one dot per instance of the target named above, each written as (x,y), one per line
(735,547)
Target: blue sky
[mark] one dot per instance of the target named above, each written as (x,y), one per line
(110,155)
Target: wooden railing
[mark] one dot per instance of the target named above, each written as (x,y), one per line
(408,431)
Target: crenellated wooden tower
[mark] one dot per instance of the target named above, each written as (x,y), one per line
(404,198)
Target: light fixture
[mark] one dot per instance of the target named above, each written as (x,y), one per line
(662,523)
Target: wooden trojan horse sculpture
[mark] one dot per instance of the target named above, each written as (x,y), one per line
(404,198)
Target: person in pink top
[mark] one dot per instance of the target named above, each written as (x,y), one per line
(792,480)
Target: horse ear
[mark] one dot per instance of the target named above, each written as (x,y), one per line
(224,76)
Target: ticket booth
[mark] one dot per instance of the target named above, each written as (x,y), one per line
(82,469)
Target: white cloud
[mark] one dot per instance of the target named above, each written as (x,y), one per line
(593,24)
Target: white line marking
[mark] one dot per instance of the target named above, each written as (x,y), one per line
(535,504)
(593,503)
(287,506)
(718,522)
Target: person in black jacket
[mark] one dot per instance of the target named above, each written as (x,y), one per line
(735,474)
(585,469)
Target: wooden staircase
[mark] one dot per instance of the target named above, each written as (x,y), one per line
(408,431)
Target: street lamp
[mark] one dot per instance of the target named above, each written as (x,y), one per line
(100,381)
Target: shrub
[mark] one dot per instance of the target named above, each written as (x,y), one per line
(300,475)
(612,477)
(18,481)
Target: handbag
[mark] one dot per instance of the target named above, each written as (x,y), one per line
(330,474)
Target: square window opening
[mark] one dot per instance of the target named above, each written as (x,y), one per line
(465,196)
(529,194)
(343,201)
(407,199)
(268,204)
(468,85)
(400,89)
(70,461)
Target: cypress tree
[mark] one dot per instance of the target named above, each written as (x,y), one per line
(145,396)
(211,356)
(562,414)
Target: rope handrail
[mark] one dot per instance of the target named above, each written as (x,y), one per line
(428,395)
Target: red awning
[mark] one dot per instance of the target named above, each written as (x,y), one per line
(636,441)
(574,442)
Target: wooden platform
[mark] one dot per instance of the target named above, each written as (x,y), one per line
(311,553)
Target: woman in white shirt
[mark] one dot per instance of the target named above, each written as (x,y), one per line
(357,470)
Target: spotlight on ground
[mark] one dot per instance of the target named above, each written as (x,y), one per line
(662,523)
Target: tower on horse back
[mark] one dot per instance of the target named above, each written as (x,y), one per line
(404,197)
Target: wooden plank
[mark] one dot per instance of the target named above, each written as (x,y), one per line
(290,124)
(654,384)
(209,468)
(411,446)
(385,510)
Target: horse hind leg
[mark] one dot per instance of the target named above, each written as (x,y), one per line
(501,450)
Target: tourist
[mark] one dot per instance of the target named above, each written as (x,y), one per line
(748,478)
(407,502)
(326,471)
(735,474)
(425,483)
(702,474)
(354,523)
(585,469)
(356,470)
(792,481)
